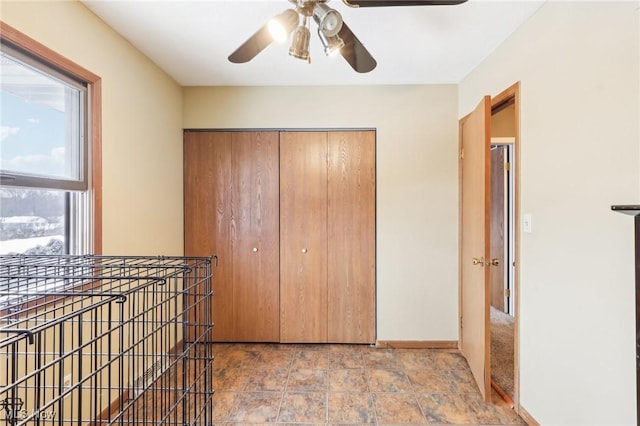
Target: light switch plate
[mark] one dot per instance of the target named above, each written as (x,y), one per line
(526,223)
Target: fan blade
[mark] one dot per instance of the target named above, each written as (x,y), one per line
(387,3)
(254,45)
(354,52)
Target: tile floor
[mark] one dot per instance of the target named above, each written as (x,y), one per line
(347,384)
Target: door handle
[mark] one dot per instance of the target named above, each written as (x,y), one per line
(495,262)
(478,261)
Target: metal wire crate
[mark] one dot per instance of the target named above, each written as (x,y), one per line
(105,340)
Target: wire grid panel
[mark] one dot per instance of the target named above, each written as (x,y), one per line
(105,340)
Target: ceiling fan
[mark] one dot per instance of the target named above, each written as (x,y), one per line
(335,35)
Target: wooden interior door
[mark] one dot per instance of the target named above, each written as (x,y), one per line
(498,226)
(303,237)
(207,216)
(351,237)
(255,236)
(475,170)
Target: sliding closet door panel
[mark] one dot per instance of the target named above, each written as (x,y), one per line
(255,235)
(351,237)
(207,177)
(303,237)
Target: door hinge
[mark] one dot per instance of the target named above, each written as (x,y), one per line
(507,166)
(507,292)
(460,322)
(462,154)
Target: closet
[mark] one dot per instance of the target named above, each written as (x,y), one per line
(291,216)
(231,210)
(327,237)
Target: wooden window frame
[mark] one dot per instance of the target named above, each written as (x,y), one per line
(94,88)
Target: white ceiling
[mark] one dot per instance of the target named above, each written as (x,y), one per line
(191,40)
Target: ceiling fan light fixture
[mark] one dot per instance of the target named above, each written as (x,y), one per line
(300,43)
(329,20)
(280,26)
(332,45)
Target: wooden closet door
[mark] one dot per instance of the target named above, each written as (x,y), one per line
(351,237)
(255,236)
(303,237)
(207,216)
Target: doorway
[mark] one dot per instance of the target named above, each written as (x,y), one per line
(489,241)
(503,289)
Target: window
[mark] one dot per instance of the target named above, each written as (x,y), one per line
(47,177)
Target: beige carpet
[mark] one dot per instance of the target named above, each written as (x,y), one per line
(502,349)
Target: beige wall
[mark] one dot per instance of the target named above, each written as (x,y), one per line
(142,159)
(417,183)
(578,64)
(578,67)
(141,125)
(503,123)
